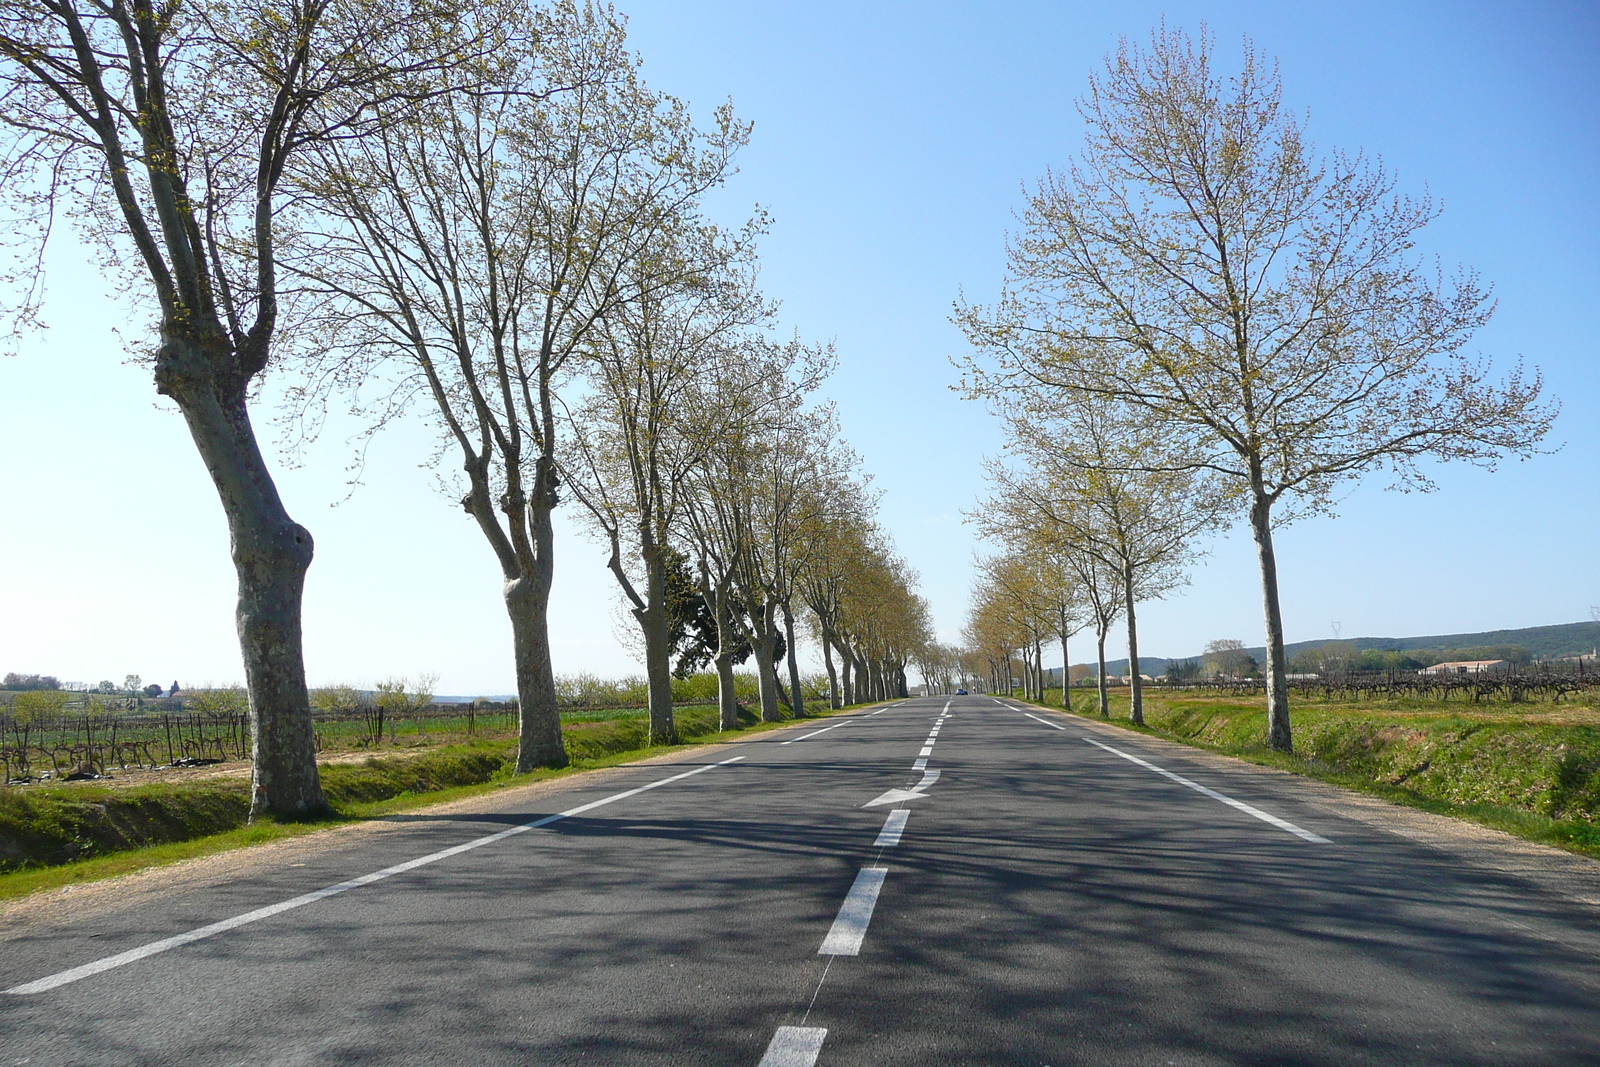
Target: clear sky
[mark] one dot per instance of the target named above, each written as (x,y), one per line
(892,143)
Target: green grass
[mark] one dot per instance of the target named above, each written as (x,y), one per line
(52,836)
(1533,772)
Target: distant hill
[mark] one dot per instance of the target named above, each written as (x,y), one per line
(1544,642)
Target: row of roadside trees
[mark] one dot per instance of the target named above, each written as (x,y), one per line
(479,211)
(1204,321)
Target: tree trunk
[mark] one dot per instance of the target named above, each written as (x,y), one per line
(539,742)
(271,554)
(715,595)
(657,650)
(1066,673)
(658,676)
(764,639)
(1100,670)
(1135,680)
(846,682)
(783,691)
(797,695)
(727,694)
(1279,736)
(834,700)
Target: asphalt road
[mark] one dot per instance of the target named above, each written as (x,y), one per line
(1029,896)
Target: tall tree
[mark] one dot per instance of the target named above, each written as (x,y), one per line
(651,418)
(464,256)
(755,390)
(1095,476)
(166,129)
(1200,263)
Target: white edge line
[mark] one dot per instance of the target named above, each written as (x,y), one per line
(1282,824)
(1047,722)
(814,733)
(133,955)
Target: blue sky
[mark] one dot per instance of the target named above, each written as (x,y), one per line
(892,144)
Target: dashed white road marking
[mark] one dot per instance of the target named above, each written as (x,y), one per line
(927,750)
(893,827)
(1282,824)
(919,764)
(850,927)
(794,1046)
(1047,722)
(133,955)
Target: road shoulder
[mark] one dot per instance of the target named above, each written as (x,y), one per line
(1572,877)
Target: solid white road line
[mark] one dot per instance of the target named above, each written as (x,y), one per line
(893,827)
(848,930)
(814,733)
(133,955)
(1265,817)
(794,1046)
(1047,722)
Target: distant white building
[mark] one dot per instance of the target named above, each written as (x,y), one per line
(1465,666)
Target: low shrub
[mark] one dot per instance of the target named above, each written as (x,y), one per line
(1489,769)
(42,827)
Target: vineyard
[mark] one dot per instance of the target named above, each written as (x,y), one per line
(1535,683)
(68,744)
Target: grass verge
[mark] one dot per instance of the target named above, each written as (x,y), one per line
(51,836)
(1525,772)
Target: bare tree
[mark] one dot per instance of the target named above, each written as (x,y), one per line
(1089,478)
(1200,263)
(465,256)
(1227,658)
(651,418)
(166,129)
(1026,514)
(837,547)
(800,449)
(755,391)
(832,539)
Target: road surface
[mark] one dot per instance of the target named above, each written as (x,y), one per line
(942,881)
